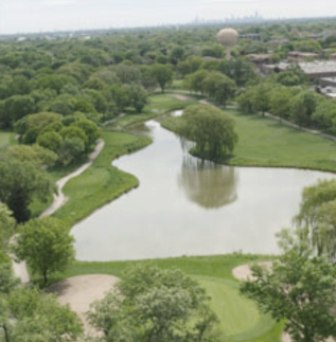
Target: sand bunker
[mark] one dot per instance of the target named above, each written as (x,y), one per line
(81,291)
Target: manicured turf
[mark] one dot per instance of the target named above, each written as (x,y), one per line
(240,320)
(266,142)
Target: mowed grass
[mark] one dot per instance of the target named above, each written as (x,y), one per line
(267,142)
(6,138)
(240,319)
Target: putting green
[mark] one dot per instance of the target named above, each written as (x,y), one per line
(240,319)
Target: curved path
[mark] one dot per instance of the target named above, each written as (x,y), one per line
(60,199)
(20,268)
(81,291)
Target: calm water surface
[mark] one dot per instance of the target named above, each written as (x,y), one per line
(186,207)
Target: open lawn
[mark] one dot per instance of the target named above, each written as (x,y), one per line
(240,319)
(5,138)
(269,143)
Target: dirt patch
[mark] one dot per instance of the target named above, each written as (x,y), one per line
(182,97)
(244,272)
(81,291)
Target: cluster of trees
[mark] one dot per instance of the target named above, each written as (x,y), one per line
(69,138)
(300,288)
(150,304)
(28,314)
(215,85)
(296,104)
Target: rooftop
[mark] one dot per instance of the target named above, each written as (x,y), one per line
(318,67)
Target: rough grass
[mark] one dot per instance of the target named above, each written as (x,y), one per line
(240,319)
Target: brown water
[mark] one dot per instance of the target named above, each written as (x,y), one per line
(186,207)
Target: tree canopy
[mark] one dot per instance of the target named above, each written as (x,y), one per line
(211,130)
(46,245)
(151,304)
(299,289)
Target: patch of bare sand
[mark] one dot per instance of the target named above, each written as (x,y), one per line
(244,272)
(81,291)
(182,97)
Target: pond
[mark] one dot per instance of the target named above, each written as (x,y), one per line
(184,206)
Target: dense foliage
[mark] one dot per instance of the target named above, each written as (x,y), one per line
(151,304)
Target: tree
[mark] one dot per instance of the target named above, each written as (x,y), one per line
(46,245)
(150,305)
(20,182)
(303,105)
(195,81)
(299,289)
(137,97)
(7,224)
(163,74)
(35,154)
(16,107)
(279,101)
(218,87)
(317,218)
(211,130)
(29,315)
(32,125)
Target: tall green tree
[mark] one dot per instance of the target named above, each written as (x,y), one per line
(317,217)
(46,245)
(300,289)
(163,74)
(20,182)
(29,315)
(212,131)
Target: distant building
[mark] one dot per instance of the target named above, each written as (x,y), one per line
(316,70)
(251,36)
(302,56)
(260,58)
(271,68)
(328,81)
(319,69)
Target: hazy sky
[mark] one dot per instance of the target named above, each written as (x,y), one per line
(44,15)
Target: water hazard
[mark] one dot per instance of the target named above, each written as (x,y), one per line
(188,207)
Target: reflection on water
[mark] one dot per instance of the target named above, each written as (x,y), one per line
(160,218)
(209,185)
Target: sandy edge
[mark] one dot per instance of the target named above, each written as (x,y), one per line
(80,292)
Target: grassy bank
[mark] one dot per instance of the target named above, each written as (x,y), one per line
(266,142)
(240,319)
(101,183)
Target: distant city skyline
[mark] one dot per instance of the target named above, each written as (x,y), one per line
(21,16)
